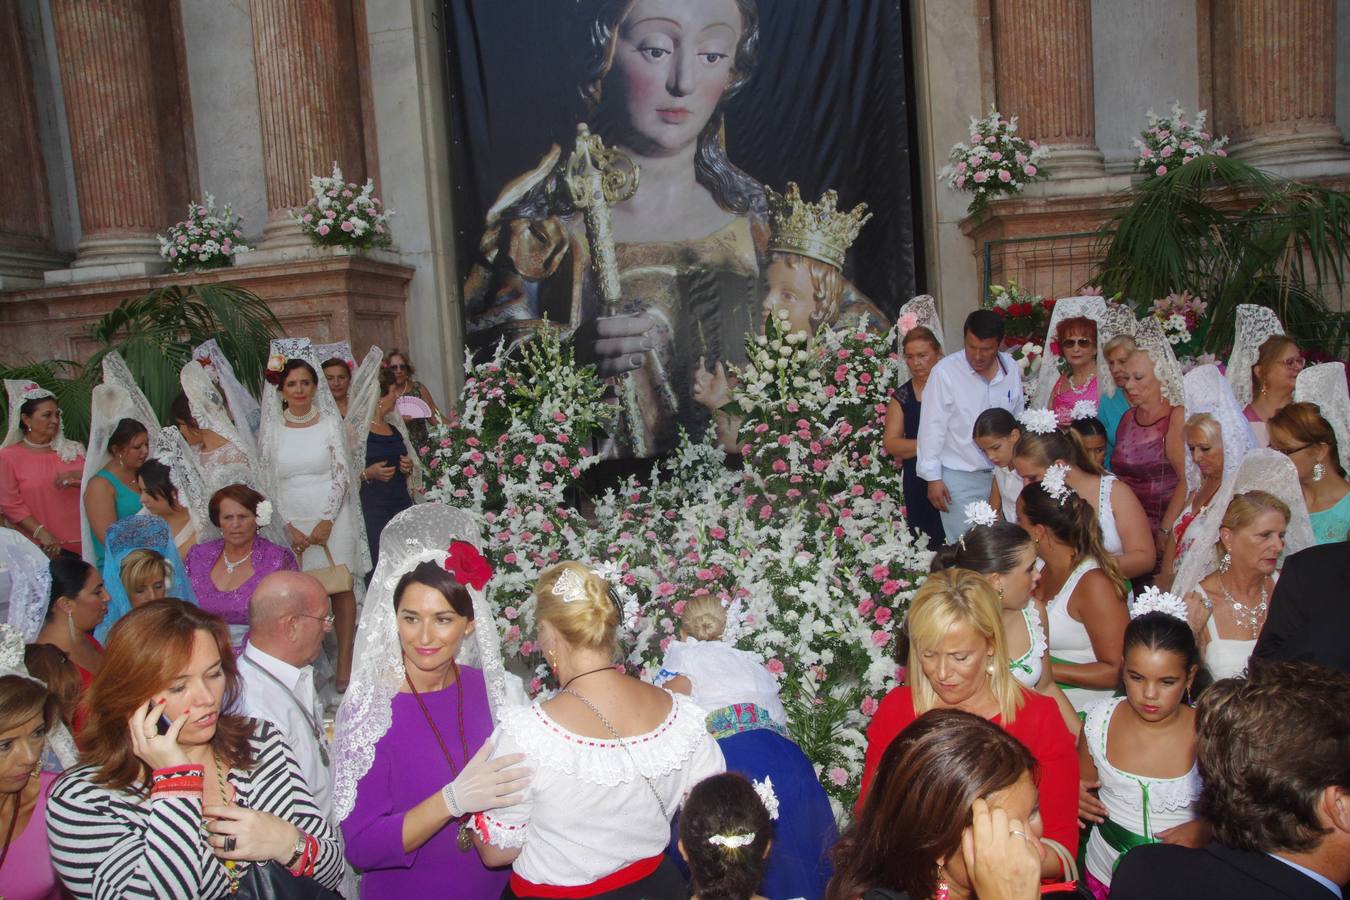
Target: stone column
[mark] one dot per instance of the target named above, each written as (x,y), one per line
(1275,79)
(1043,75)
(104,52)
(309,101)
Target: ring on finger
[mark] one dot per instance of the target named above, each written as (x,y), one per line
(229,844)
(1021,834)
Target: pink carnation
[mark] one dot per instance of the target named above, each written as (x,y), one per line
(868,707)
(838,776)
(775,666)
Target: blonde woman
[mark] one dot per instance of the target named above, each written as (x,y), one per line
(958,659)
(612,758)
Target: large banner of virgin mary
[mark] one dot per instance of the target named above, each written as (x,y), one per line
(706,103)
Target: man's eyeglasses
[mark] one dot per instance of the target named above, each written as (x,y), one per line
(1070,343)
(327,620)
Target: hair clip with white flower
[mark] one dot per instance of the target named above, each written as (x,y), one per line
(570,587)
(1054,482)
(979,513)
(1038,421)
(1083,409)
(767,797)
(263,513)
(732,841)
(1154,600)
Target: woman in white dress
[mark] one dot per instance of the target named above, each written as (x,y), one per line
(1005,554)
(1230,573)
(1123,524)
(1083,590)
(613,757)
(305,453)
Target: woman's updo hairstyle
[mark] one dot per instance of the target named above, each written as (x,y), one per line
(428,574)
(1207,425)
(1243,510)
(1088,427)
(727,805)
(126,431)
(1162,631)
(704,618)
(985,549)
(1072,521)
(589,621)
(1303,423)
(1045,449)
(68,577)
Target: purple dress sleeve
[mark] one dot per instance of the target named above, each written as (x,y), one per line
(373,830)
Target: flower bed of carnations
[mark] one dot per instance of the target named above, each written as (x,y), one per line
(807,545)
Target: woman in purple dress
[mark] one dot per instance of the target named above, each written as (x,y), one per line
(225,571)
(411,755)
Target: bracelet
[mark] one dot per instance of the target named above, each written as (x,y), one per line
(451,804)
(186,770)
(38,530)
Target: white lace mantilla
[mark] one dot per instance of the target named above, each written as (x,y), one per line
(1255,326)
(604,761)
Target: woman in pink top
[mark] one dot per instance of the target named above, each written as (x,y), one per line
(40,471)
(1077,340)
(26,871)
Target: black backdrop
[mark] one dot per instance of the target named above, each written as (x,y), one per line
(829,106)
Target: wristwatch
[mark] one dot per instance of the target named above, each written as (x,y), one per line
(299,849)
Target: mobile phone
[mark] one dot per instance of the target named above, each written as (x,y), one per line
(164,723)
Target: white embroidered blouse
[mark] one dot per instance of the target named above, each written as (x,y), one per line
(589,810)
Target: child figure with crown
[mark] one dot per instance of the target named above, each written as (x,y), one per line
(805,285)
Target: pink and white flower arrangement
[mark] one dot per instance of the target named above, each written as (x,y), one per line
(207,239)
(1181,316)
(344,214)
(1171,141)
(996,161)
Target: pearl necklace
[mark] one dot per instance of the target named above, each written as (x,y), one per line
(1076,388)
(1248,615)
(231,565)
(46,446)
(301,420)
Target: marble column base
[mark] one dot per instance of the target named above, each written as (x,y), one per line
(1315,145)
(1065,162)
(24,267)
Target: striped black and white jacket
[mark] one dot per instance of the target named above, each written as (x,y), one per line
(110,844)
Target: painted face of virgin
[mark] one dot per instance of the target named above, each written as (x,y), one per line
(790,291)
(672,63)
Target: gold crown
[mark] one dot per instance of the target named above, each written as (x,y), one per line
(820,230)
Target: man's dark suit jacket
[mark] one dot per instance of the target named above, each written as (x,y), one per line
(1309,618)
(1160,871)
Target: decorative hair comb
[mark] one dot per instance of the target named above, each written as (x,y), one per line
(1038,421)
(1154,600)
(570,586)
(1054,483)
(732,841)
(767,797)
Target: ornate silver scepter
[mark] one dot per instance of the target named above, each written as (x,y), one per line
(596,177)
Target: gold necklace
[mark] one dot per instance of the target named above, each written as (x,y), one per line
(223,783)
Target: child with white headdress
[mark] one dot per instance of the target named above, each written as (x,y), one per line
(1147,784)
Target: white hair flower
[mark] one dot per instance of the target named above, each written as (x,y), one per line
(1083,409)
(767,797)
(1154,600)
(979,513)
(732,841)
(264,513)
(1054,482)
(1038,421)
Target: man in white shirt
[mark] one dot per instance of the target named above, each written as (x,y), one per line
(288,616)
(960,387)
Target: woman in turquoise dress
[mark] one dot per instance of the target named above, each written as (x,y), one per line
(1300,432)
(112,493)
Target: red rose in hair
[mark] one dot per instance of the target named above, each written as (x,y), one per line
(468,565)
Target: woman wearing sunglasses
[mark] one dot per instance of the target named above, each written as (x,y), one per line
(401,371)
(1077,339)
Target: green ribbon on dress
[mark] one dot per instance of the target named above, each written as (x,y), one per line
(1120,838)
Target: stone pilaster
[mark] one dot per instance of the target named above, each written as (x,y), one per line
(1275,80)
(104,50)
(1043,75)
(309,100)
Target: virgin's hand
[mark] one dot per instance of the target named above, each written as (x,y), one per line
(258,836)
(299,540)
(490,783)
(712,390)
(1004,862)
(1090,809)
(404,465)
(615,344)
(322,531)
(157,751)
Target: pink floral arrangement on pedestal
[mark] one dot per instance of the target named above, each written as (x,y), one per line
(996,161)
(1171,141)
(207,239)
(343,214)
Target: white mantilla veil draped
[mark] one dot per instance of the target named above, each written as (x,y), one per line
(18,392)
(924,310)
(416,535)
(30,582)
(362,398)
(243,408)
(1255,325)
(1262,469)
(59,740)
(117,398)
(1149,337)
(1207,391)
(1087,307)
(1118,319)
(1325,386)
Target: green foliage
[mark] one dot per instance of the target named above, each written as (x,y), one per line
(1231,233)
(155,334)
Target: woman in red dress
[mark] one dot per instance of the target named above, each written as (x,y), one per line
(958,660)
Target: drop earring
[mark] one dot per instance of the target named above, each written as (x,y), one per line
(1226,562)
(944,890)
(1319,471)
(70,626)
(989,668)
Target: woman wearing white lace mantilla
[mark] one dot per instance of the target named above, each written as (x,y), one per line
(304,452)
(612,758)
(1263,366)
(39,470)
(411,745)
(1073,336)
(1319,444)
(1227,588)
